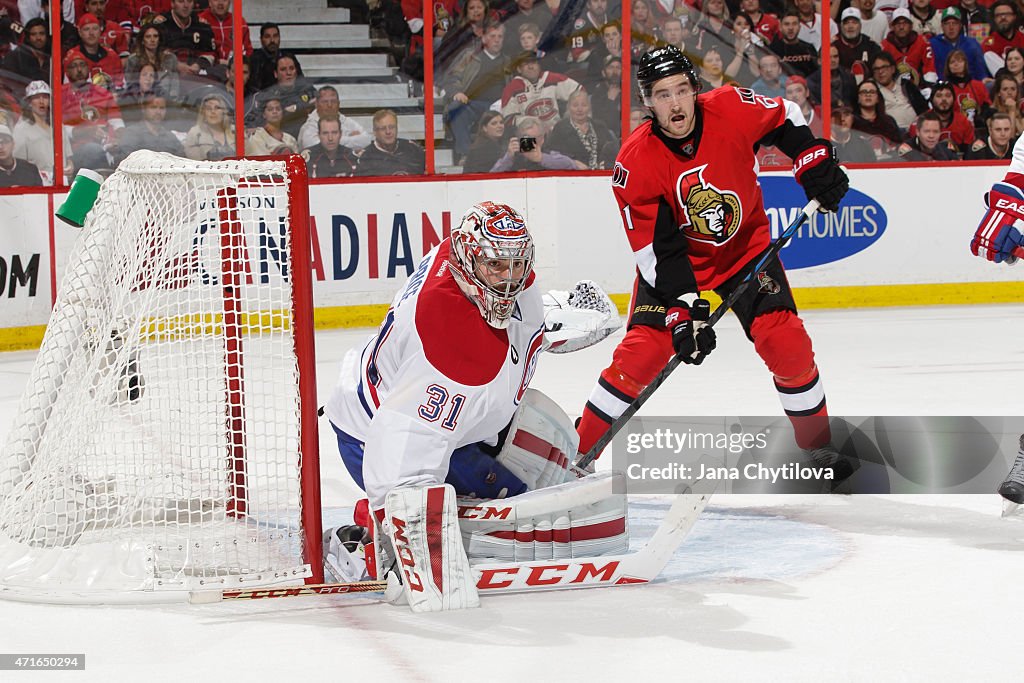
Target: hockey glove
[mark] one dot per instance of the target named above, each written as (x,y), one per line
(996,237)
(692,339)
(821,176)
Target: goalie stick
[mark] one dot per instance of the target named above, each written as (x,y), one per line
(772,251)
(642,566)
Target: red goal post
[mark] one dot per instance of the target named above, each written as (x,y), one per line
(167,438)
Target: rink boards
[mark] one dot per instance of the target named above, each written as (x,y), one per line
(900,238)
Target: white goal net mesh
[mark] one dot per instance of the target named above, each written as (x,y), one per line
(157,445)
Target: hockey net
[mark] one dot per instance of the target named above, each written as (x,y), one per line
(166,440)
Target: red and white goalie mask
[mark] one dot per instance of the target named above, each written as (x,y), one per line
(491,259)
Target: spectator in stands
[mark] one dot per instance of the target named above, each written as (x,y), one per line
(130,99)
(329,158)
(33,134)
(190,39)
(797,56)
(529,41)
(113,36)
(644,28)
(851,146)
(388,154)
(874,25)
(91,112)
(1006,99)
(29,61)
(977,20)
(1005,34)
(607,96)
(712,71)
(610,46)
(955,126)
(765,25)
(927,144)
(353,136)
(713,31)
(750,48)
(870,118)
(912,52)
(150,49)
(1014,59)
(844,86)
(105,67)
(925,18)
(855,49)
(213,136)
(15,171)
(636,117)
(138,13)
(218,16)
(952,38)
(902,99)
(531,156)
(672,33)
(488,144)
(798,93)
(772,82)
(810,23)
(264,59)
(537,94)
(587,142)
(473,84)
(296,95)
(525,12)
(466,33)
(586,33)
(271,138)
(151,133)
(999,143)
(972,98)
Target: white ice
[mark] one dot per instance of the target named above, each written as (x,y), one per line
(766,588)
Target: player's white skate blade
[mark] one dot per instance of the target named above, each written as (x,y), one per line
(1011,509)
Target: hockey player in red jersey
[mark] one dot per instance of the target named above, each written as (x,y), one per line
(689,200)
(998,239)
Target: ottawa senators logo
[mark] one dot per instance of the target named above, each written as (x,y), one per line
(711,214)
(766,285)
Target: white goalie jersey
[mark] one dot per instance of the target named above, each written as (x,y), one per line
(435,377)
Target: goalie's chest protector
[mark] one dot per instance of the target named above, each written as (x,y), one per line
(436,358)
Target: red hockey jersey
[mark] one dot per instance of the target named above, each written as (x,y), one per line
(694,215)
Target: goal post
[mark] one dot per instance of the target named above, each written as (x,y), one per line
(167,441)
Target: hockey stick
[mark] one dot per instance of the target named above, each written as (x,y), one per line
(492,578)
(673,363)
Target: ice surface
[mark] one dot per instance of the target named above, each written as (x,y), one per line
(765,588)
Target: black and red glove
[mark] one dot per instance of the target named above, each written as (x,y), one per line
(819,173)
(692,338)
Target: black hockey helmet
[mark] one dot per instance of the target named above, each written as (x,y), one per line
(662,62)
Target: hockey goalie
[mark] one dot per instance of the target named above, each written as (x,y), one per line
(435,421)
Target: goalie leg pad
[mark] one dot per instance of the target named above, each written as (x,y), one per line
(422,524)
(580,518)
(541,442)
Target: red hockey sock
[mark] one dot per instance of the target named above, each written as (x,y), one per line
(636,361)
(782,342)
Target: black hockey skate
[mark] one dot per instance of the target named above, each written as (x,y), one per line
(842,467)
(1012,488)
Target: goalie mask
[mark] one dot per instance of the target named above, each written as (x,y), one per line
(491,259)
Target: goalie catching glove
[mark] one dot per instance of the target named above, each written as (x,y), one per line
(997,237)
(818,171)
(577,319)
(692,338)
